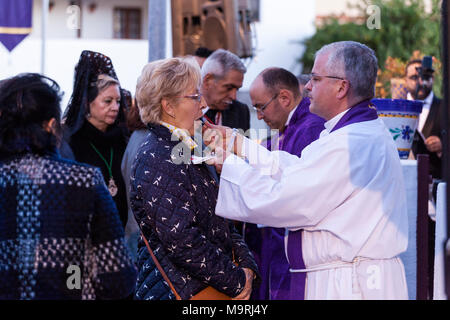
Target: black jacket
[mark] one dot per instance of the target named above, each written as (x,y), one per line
(236,116)
(56,214)
(103,141)
(432,127)
(174,206)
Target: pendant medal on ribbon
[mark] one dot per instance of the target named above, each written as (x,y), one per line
(112,187)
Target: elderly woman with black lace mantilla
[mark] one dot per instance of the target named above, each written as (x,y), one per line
(174,200)
(94,123)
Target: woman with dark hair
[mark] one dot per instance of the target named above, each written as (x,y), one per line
(94,123)
(60,232)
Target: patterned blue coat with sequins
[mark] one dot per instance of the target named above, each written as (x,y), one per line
(60,233)
(174,206)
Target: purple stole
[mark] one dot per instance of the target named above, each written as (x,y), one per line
(303,128)
(363,111)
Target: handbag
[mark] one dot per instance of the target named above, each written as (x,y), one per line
(209,293)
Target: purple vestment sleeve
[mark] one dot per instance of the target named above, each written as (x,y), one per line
(277,282)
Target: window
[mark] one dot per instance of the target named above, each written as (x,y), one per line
(127,23)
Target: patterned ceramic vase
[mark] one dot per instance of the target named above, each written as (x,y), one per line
(401,118)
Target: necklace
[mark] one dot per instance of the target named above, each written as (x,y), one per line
(111,184)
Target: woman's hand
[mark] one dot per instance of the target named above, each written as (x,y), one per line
(245,294)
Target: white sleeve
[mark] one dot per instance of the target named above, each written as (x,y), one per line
(300,196)
(267,162)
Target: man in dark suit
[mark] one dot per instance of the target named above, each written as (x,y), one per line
(427,139)
(223,75)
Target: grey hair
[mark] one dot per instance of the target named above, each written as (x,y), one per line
(104,81)
(220,62)
(354,61)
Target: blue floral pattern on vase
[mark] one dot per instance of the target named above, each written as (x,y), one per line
(401,118)
(405,133)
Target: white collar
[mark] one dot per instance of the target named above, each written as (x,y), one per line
(291,114)
(329,125)
(426,102)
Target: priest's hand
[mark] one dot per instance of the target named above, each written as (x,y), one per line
(215,136)
(433,144)
(228,139)
(245,294)
(219,158)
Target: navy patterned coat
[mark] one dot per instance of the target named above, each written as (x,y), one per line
(60,232)
(174,206)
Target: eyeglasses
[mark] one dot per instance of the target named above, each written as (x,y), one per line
(264,106)
(197,96)
(315,77)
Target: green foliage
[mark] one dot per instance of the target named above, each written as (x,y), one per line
(404,29)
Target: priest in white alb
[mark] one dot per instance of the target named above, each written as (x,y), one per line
(346,193)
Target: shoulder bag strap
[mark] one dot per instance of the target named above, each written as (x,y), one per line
(166,278)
